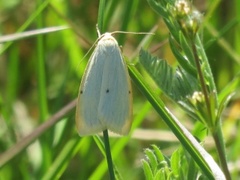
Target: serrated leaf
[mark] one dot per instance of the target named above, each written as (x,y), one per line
(184,85)
(177,84)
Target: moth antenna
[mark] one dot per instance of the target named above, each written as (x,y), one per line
(98,31)
(127,32)
(95,42)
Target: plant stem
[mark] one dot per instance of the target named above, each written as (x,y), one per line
(217,136)
(202,82)
(108,154)
(46,139)
(215,128)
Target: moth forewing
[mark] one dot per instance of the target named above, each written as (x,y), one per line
(105,94)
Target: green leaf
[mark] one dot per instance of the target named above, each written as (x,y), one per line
(193,170)
(229,88)
(158,8)
(160,175)
(225,96)
(147,170)
(205,66)
(63,158)
(176,162)
(158,153)
(186,49)
(181,59)
(152,160)
(177,84)
(223,104)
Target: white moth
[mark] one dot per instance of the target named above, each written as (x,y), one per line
(105,94)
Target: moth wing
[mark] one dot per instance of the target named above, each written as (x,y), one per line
(87,120)
(115,104)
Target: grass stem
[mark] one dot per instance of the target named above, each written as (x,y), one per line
(108,154)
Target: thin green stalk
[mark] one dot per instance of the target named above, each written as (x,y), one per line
(42,96)
(108,154)
(11,90)
(202,82)
(121,143)
(215,128)
(202,53)
(12,85)
(218,139)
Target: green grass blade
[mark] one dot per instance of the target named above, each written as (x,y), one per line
(63,158)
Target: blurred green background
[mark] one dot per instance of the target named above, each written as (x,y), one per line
(41,74)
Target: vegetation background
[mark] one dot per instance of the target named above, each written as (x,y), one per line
(41,74)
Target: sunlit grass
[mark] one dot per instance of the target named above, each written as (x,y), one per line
(40,76)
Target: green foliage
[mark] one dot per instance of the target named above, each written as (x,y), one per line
(201,102)
(179,166)
(42,61)
(177,84)
(155,166)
